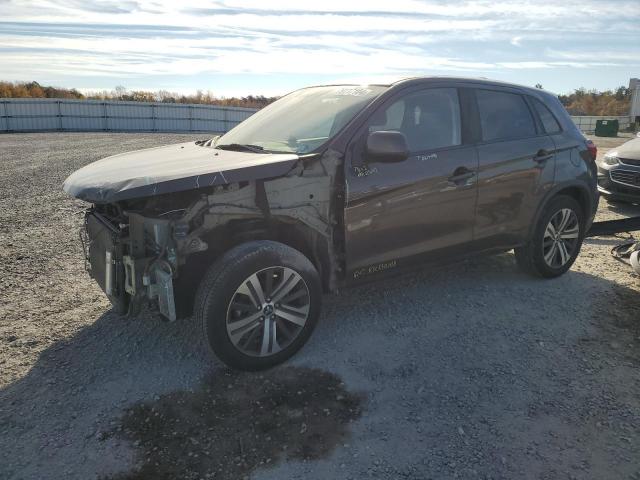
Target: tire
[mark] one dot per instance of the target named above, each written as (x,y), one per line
(531,257)
(248,331)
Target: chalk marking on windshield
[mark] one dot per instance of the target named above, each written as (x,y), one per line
(354,91)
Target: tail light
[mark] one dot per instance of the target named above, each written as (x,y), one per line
(593,150)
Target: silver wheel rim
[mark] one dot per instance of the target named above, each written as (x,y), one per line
(561,238)
(268,311)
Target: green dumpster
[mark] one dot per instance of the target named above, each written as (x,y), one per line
(607,128)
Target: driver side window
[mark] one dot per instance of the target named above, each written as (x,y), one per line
(429,119)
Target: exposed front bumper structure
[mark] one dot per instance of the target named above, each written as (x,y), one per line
(104,250)
(132,262)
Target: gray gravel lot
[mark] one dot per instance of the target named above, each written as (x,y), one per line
(469,371)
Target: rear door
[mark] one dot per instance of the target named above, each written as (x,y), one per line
(516,167)
(423,204)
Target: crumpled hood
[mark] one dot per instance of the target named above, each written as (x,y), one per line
(631,149)
(171,168)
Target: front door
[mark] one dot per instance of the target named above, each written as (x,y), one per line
(422,205)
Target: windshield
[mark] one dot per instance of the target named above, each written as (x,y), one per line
(301,121)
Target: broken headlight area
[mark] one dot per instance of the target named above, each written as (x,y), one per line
(133,258)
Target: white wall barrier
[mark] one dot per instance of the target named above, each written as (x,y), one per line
(51,114)
(587,124)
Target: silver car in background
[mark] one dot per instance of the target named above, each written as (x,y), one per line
(619,173)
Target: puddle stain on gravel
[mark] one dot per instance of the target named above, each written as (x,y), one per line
(235,423)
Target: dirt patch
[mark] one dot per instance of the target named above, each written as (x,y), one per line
(236,422)
(625,304)
(618,315)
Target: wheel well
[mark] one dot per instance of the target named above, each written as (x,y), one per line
(579,195)
(289,232)
(221,239)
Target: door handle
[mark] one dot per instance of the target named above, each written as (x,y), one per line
(461,175)
(542,156)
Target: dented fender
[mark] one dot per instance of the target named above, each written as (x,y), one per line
(305,195)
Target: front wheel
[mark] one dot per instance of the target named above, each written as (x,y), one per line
(556,239)
(258,304)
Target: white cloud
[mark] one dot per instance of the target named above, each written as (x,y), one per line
(620,55)
(107,39)
(169,12)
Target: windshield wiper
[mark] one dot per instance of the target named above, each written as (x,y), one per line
(240,147)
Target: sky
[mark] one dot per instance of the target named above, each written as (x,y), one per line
(270,47)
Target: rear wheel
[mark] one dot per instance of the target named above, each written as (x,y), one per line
(556,240)
(258,304)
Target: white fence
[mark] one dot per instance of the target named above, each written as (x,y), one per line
(49,114)
(587,124)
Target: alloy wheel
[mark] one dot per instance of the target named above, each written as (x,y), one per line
(268,311)
(561,238)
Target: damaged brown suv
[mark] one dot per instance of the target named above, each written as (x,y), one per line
(331,186)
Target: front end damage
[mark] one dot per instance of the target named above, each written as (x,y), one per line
(132,258)
(154,250)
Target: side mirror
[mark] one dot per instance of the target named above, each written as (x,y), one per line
(387,146)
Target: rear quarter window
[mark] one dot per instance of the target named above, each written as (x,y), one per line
(504,116)
(549,121)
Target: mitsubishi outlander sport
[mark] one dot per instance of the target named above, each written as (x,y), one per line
(331,186)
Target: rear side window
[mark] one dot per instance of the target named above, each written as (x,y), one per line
(429,119)
(549,122)
(504,116)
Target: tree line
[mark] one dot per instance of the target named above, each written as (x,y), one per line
(579,102)
(593,102)
(35,90)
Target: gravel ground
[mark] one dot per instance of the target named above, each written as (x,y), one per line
(470,371)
